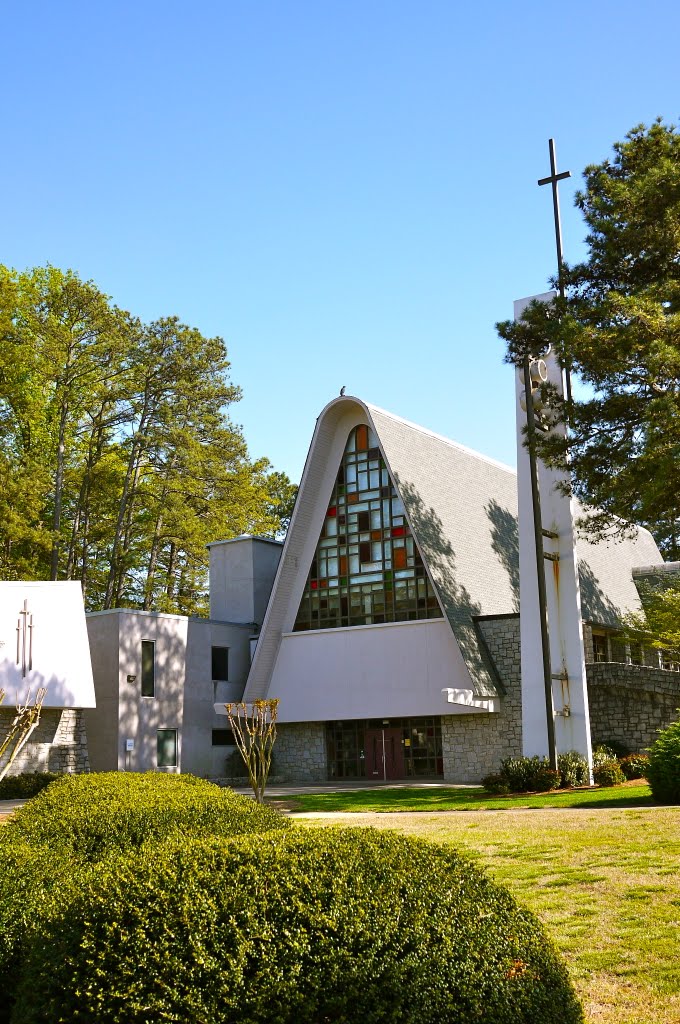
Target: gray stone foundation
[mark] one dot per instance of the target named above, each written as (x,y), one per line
(630,703)
(474,745)
(58,744)
(300,752)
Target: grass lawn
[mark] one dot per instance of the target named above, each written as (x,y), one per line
(636,794)
(604,881)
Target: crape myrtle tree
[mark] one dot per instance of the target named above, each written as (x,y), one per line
(118,459)
(618,328)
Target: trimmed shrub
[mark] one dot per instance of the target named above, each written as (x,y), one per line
(91,815)
(496,783)
(33,884)
(608,773)
(529,774)
(573,769)
(293,928)
(25,785)
(614,748)
(663,772)
(602,756)
(546,779)
(634,766)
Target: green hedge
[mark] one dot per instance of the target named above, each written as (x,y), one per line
(93,814)
(293,927)
(634,766)
(608,773)
(25,785)
(663,771)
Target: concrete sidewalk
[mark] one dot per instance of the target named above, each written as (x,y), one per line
(282,790)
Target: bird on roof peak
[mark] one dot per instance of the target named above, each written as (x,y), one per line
(342,390)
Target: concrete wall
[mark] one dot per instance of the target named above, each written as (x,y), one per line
(242,571)
(397,669)
(58,744)
(101,723)
(201,693)
(184,696)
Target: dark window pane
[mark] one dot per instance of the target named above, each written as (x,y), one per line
(148,668)
(166,748)
(223,738)
(220,664)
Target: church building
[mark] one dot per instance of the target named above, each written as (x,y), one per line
(391,636)
(387,625)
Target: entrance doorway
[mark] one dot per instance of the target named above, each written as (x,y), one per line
(384,753)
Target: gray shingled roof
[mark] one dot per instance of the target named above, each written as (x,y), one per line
(463,510)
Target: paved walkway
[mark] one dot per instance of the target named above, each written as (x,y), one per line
(283,790)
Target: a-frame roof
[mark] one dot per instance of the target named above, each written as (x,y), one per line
(462,508)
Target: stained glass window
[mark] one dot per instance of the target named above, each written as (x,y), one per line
(367,567)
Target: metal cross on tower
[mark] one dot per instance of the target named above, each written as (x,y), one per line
(553,179)
(25,640)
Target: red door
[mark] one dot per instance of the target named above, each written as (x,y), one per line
(384,754)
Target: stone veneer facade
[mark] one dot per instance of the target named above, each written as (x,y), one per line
(58,744)
(474,745)
(300,752)
(630,703)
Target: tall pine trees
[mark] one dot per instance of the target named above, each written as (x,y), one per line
(118,461)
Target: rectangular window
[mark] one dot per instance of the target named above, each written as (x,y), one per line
(166,748)
(223,738)
(148,668)
(220,664)
(600,647)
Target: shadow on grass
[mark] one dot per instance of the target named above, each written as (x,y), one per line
(394,800)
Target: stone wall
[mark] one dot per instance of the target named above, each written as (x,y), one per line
(474,745)
(630,703)
(58,744)
(300,752)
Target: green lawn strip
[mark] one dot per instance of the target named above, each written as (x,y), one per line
(444,799)
(605,884)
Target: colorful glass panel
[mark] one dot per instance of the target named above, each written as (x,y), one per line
(366,561)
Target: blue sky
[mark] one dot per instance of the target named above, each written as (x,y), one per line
(345,192)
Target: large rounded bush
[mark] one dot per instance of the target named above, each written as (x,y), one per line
(299,927)
(663,771)
(94,814)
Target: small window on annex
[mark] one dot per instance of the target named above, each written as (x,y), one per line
(220,664)
(600,647)
(367,567)
(148,668)
(223,738)
(166,748)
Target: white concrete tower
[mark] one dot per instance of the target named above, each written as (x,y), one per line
(563,600)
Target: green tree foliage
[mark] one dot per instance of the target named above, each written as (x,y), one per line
(619,330)
(118,460)
(659,623)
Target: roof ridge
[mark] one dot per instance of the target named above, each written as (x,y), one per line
(440,437)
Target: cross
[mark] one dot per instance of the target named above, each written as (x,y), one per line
(23,628)
(553,179)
